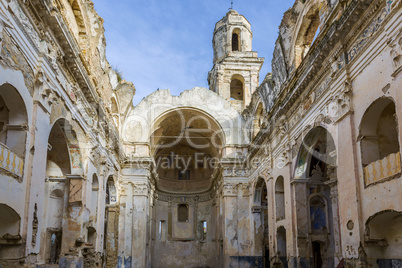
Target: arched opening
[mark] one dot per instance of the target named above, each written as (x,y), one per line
(91,236)
(382,237)
(279,199)
(115,111)
(182,213)
(13,120)
(55,208)
(82,36)
(94,197)
(236,40)
(10,236)
(184,143)
(111,222)
(309,30)
(9,223)
(111,196)
(260,210)
(317,165)
(237,88)
(258,119)
(379,141)
(281,244)
(58,165)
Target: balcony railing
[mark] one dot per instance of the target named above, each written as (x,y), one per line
(383,169)
(10,162)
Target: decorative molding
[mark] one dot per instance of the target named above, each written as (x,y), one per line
(141,189)
(229,189)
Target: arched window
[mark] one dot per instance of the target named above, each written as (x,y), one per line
(257,121)
(115,111)
(13,120)
(280,199)
(379,141)
(94,197)
(182,213)
(235,42)
(58,163)
(111,198)
(55,209)
(281,241)
(10,221)
(4,114)
(308,31)
(237,88)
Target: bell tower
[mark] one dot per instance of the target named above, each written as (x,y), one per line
(235,74)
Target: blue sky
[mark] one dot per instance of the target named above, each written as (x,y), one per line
(168,44)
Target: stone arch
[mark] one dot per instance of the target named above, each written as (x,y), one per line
(9,231)
(258,118)
(237,87)
(281,243)
(182,212)
(279,198)
(259,185)
(10,222)
(317,139)
(136,127)
(383,243)
(260,213)
(236,39)
(379,141)
(63,133)
(317,196)
(55,207)
(110,232)
(111,193)
(193,136)
(81,30)
(94,196)
(13,120)
(307,29)
(114,108)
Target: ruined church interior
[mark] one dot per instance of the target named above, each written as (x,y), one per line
(301,168)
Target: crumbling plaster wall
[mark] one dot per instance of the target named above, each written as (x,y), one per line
(357,201)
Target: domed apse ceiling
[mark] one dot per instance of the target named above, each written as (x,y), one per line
(186,144)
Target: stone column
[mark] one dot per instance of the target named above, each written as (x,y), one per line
(140,224)
(348,188)
(230,228)
(125,225)
(333,184)
(137,176)
(301,220)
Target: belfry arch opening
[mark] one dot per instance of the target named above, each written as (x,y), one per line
(236,40)
(237,88)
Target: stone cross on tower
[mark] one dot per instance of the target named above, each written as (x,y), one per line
(231,5)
